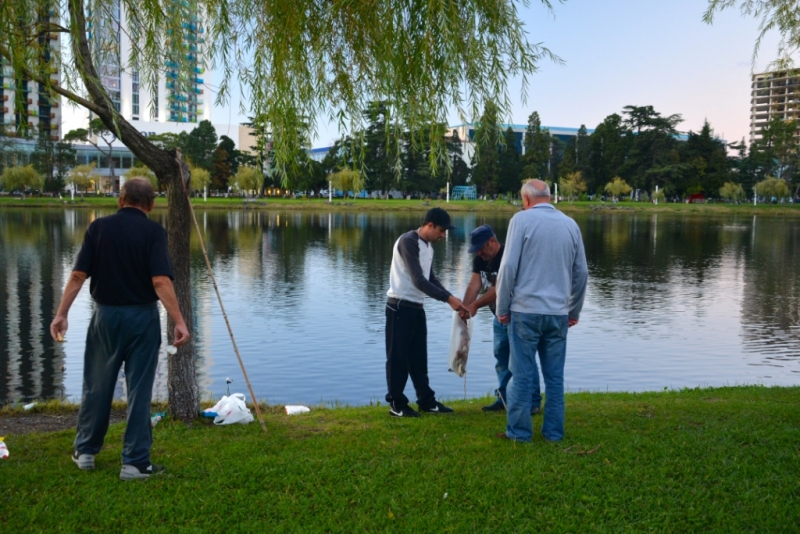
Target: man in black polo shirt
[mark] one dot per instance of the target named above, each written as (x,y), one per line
(488,254)
(125,256)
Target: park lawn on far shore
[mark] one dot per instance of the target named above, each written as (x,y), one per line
(701,460)
(500,206)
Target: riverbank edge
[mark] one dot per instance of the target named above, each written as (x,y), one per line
(64,408)
(376,205)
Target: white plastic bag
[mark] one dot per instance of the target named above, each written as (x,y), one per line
(460,336)
(294,410)
(232,410)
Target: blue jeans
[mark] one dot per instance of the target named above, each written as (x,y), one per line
(502,351)
(117,336)
(528,334)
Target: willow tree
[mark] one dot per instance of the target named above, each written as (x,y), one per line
(295,62)
(781,16)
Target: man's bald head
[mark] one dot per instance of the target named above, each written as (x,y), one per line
(536,191)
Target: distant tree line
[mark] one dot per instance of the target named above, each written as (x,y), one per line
(630,153)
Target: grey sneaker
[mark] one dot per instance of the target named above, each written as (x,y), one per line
(536,410)
(83,461)
(132,472)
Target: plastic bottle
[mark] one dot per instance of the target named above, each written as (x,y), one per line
(156,418)
(3,449)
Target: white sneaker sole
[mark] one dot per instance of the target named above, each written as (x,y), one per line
(130,472)
(84,462)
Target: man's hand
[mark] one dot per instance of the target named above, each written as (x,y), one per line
(472,308)
(181,335)
(60,324)
(504,319)
(456,304)
(571,322)
(59,327)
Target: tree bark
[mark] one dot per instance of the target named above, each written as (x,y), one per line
(184,394)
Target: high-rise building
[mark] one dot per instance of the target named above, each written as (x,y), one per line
(37,109)
(774,94)
(180,95)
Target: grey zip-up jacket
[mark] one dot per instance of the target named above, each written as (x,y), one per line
(544,265)
(411,276)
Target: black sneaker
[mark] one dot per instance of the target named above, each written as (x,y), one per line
(83,461)
(438,407)
(405,411)
(133,472)
(498,406)
(536,410)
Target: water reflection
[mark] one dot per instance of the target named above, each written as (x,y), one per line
(673,301)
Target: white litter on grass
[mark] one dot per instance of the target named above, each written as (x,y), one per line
(29,406)
(294,410)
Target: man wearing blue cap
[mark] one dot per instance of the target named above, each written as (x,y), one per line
(488,254)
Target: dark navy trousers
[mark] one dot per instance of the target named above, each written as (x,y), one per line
(117,336)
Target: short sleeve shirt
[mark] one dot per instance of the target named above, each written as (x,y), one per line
(121,254)
(488,272)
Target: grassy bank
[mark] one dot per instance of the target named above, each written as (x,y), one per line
(718,460)
(416,205)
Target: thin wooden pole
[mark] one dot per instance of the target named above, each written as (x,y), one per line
(219,298)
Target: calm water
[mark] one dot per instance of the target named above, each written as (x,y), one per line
(672,302)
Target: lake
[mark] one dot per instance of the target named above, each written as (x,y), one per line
(673,301)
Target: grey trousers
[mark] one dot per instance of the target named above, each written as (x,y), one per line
(117,335)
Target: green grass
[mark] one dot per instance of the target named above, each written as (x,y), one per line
(704,460)
(500,206)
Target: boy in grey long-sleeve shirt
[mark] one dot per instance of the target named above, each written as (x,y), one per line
(411,278)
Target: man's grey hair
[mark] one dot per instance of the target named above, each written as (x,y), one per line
(530,189)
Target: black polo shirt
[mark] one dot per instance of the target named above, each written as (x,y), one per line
(488,272)
(121,254)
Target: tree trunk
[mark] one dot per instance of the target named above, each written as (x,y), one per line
(184,394)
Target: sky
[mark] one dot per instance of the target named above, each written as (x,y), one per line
(624,52)
(637,52)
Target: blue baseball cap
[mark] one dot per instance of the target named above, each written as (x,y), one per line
(478,237)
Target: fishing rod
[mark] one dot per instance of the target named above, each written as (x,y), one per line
(219,297)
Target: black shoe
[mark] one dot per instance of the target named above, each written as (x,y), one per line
(536,410)
(133,472)
(437,407)
(405,411)
(498,406)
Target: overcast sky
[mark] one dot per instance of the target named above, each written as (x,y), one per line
(628,52)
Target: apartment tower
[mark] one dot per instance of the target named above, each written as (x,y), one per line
(37,109)
(180,95)
(774,94)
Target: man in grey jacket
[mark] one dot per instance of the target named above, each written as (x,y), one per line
(541,286)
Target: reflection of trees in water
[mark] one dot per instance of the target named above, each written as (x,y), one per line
(635,261)
(771,303)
